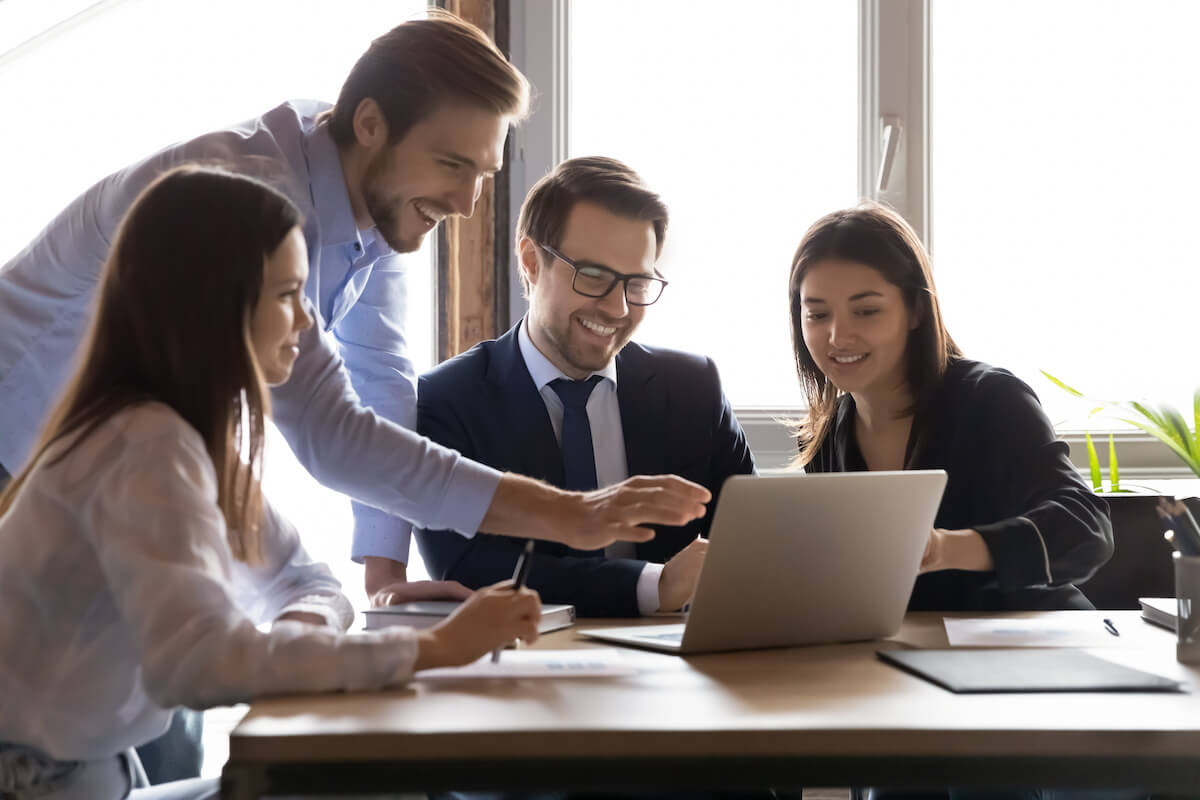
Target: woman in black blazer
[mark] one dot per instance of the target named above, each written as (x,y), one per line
(888,389)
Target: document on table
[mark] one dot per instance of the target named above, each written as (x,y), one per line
(585,663)
(1063,629)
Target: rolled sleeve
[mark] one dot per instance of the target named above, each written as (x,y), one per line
(1015,544)
(379,534)
(353,450)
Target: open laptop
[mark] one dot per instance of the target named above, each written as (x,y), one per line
(803,559)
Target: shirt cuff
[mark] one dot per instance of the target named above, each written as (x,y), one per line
(1018,552)
(468,496)
(647,589)
(378,533)
(335,609)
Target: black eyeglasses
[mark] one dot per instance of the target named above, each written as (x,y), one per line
(593,280)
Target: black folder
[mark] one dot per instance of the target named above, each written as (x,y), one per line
(966,671)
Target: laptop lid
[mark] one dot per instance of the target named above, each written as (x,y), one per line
(806,559)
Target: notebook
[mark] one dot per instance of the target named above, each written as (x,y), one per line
(427,613)
(1162,611)
(803,559)
(1025,670)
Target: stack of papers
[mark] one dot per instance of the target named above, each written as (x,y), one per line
(584,663)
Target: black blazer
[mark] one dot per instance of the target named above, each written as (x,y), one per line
(1010,478)
(675,419)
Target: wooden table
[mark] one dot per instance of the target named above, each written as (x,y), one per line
(809,716)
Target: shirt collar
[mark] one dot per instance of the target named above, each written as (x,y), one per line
(542,370)
(329,194)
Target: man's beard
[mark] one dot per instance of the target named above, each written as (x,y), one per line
(579,357)
(386,217)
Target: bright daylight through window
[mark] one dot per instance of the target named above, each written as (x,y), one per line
(140,93)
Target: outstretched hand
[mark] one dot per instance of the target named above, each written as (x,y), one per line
(626,510)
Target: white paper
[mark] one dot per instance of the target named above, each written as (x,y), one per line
(583,663)
(1068,629)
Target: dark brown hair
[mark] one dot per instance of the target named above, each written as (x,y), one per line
(878,237)
(172,325)
(604,181)
(418,65)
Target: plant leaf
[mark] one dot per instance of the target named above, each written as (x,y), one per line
(1061,385)
(1148,413)
(1196,430)
(1178,427)
(1114,473)
(1158,433)
(1093,462)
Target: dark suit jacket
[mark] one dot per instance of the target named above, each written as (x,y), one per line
(675,418)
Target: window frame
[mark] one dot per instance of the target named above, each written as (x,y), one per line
(893,84)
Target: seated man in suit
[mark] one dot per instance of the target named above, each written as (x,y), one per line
(566,397)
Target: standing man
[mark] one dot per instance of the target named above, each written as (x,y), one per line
(418,126)
(566,397)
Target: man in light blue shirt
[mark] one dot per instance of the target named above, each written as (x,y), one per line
(418,127)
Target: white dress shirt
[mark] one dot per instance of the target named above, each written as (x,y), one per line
(608,445)
(122,600)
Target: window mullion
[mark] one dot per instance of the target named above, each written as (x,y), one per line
(894,90)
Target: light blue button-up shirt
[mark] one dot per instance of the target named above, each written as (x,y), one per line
(353,361)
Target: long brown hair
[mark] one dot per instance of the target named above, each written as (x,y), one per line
(172,325)
(878,237)
(420,64)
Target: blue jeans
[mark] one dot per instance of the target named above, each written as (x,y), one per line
(28,774)
(178,753)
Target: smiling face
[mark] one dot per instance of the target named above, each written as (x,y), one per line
(437,169)
(856,327)
(279,315)
(581,335)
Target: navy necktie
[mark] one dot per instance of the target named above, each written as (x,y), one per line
(579,461)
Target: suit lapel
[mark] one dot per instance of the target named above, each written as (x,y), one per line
(643,402)
(529,436)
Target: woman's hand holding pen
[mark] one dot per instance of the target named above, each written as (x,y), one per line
(964,549)
(490,618)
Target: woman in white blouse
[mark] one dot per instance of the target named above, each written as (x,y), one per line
(137,554)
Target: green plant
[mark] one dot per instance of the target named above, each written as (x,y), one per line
(1164,422)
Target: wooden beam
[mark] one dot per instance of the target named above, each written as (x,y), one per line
(472,303)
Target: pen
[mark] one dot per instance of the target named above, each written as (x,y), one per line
(520,574)
(1108,625)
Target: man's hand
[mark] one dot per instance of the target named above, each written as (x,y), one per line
(388,585)
(596,519)
(677,583)
(408,592)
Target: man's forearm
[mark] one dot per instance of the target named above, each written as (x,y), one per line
(525,507)
(381,572)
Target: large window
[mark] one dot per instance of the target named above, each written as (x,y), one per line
(89,87)
(1063,191)
(1043,155)
(745,120)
